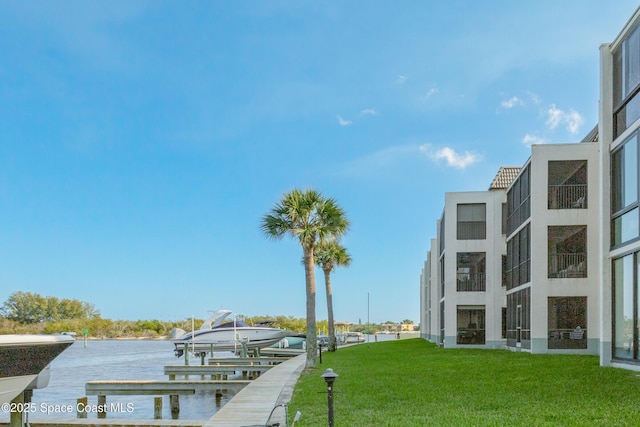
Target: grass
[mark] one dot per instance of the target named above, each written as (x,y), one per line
(413,383)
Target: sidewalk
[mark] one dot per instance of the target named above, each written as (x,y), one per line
(252,405)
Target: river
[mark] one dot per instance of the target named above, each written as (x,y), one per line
(115,360)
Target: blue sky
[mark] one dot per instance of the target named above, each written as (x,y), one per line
(142,142)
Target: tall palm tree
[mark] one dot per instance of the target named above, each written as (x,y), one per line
(330,254)
(311,218)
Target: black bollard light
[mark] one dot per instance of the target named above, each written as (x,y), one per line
(329,376)
(320,351)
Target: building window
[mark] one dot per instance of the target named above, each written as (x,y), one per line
(442,322)
(504,322)
(442,278)
(567,320)
(471,272)
(472,221)
(471,325)
(505,276)
(519,258)
(567,251)
(567,184)
(441,235)
(624,193)
(625,290)
(519,319)
(626,83)
(518,201)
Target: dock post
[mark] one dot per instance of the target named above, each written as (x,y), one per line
(81,407)
(174,403)
(202,355)
(102,406)
(186,353)
(211,351)
(218,397)
(16,418)
(157,408)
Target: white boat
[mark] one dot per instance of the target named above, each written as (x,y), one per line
(226,335)
(23,358)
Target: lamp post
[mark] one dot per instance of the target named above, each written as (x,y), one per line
(329,377)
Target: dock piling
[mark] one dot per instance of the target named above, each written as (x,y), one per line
(81,407)
(157,408)
(16,417)
(102,406)
(174,403)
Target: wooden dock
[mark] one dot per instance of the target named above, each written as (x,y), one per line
(158,387)
(215,370)
(262,360)
(254,404)
(282,352)
(112,422)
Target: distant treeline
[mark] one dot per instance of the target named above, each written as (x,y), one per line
(30,313)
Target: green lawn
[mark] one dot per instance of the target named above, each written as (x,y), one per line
(413,383)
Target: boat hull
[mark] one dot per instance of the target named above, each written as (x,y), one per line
(228,340)
(23,357)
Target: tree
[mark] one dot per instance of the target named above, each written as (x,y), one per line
(310,218)
(27,307)
(330,254)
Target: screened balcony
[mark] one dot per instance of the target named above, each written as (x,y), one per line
(471,272)
(567,251)
(567,184)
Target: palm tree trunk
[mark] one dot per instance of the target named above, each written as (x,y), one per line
(310,281)
(332,329)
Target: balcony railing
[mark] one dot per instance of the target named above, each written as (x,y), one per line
(471,282)
(568,265)
(567,338)
(568,196)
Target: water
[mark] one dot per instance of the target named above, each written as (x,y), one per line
(116,360)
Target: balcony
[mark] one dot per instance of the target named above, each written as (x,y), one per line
(567,338)
(568,196)
(471,282)
(573,265)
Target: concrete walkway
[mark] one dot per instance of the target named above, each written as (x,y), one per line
(252,405)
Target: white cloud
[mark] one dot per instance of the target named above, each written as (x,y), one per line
(343,122)
(512,102)
(529,140)
(534,98)
(368,112)
(572,119)
(432,91)
(555,116)
(453,159)
(401,79)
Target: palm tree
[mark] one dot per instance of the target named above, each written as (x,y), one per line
(311,218)
(330,254)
